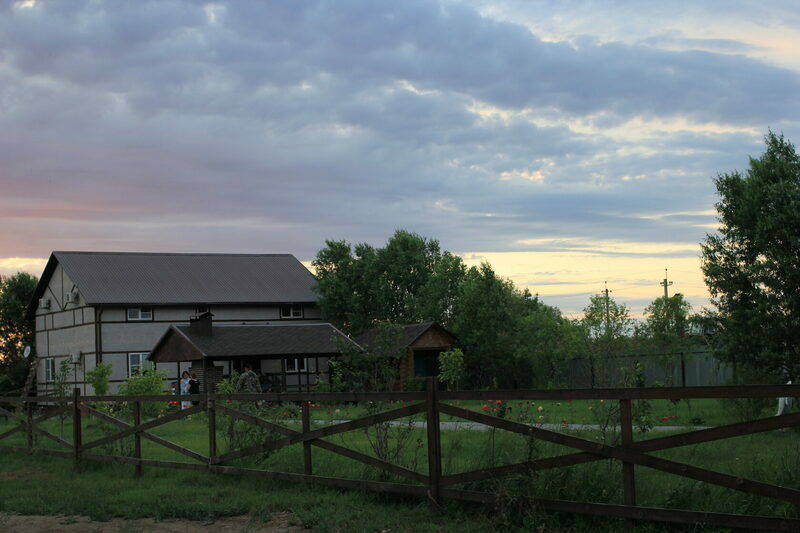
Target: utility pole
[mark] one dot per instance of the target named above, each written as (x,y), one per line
(666,283)
(608,318)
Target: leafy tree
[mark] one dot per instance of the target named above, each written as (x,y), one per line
(487,322)
(16,330)
(607,327)
(550,341)
(752,265)
(666,329)
(667,322)
(509,337)
(408,280)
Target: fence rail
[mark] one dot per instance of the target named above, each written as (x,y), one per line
(431,484)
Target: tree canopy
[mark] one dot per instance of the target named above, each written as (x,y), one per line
(503,331)
(16,330)
(752,264)
(667,322)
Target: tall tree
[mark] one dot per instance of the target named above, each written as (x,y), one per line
(408,280)
(752,265)
(607,326)
(488,322)
(667,323)
(16,330)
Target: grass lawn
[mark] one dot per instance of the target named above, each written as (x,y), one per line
(697,412)
(47,485)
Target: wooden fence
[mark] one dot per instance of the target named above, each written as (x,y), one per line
(432,484)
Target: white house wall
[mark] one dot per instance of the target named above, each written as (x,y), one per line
(63,330)
(66,329)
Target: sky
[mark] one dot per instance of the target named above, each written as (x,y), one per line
(567,143)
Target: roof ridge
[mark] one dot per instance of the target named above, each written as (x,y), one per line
(76,252)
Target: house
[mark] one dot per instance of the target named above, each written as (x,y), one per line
(287,355)
(422,343)
(111,307)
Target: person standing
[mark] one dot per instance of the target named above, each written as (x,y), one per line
(248,381)
(186,383)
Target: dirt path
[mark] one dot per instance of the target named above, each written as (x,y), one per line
(74,524)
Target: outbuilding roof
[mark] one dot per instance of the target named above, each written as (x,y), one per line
(183,278)
(407,334)
(251,340)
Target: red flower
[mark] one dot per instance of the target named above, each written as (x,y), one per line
(563,420)
(498,402)
(404,406)
(485,407)
(495,410)
(664,418)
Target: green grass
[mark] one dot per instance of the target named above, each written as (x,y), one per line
(46,485)
(698,412)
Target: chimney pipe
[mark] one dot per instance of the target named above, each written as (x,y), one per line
(201,324)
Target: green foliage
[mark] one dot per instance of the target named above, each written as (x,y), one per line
(752,265)
(16,329)
(607,327)
(451,368)
(147,382)
(667,322)
(408,280)
(98,378)
(509,337)
(60,386)
(666,329)
(375,370)
(239,434)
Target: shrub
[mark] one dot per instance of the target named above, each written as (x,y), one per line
(98,378)
(451,368)
(147,382)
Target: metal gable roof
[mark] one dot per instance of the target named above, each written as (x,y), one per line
(190,278)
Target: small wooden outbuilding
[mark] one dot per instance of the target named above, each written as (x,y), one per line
(422,342)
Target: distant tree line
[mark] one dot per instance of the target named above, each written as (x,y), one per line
(509,337)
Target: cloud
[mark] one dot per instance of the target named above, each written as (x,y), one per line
(247,126)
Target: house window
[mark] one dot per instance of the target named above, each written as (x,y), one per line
(137,362)
(296,364)
(49,369)
(140,313)
(292,311)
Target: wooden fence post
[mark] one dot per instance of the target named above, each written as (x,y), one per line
(434,443)
(137,438)
(212,428)
(306,414)
(76,425)
(29,418)
(628,474)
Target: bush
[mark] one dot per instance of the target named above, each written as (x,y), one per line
(147,382)
(451,368)
(98,378)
